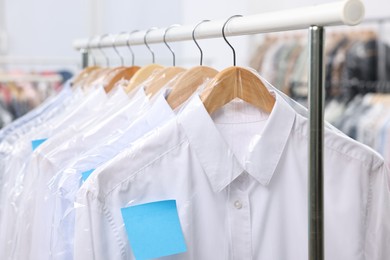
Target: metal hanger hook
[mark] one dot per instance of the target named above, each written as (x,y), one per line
(100,48)
(146,43)
(128,45)
(224,36)
(89,50)
(197,44)
(116,49)
(169,47)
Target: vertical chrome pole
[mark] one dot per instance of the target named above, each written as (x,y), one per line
(381,52)
(316,136)
(84,58)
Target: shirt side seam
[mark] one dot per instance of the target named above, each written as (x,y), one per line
(115,231)
(367,211)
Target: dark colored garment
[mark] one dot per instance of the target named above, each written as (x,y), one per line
(361,68)
(329,64)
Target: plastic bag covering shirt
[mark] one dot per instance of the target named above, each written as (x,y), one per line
(44,124)
(65,184)
(16,146)
(41,128)
(22,125)
(12,188)
(30,184)
(17,166)
(11,134)
(240,184)
(45,163)
(117,99)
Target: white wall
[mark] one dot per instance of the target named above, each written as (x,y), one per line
(124,15)
(46,28)
(43,28)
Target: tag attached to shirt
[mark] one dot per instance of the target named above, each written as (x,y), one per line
(36,143)
(85,175)
(154,229)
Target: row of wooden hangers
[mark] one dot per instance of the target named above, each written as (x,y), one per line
(221,87)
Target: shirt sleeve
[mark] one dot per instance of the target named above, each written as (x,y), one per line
(377,241)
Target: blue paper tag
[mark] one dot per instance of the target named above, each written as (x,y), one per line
(36,143)
(86,174)
(154,229)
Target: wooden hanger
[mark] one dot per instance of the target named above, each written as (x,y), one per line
(145,72)
(161,79)
(108,77)
(141,75)
(236,82)
(190,80)
(188,83)
(112,78)
(122,72)
(165,75)
(96,77)
(83,75)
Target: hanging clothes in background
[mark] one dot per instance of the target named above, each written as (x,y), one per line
(21,92)
(351,58)
(351,76)
(365,118)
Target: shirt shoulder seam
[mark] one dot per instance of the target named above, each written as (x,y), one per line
(375,162)
(131,175)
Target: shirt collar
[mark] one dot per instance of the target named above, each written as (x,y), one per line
(160,111)
(117,96)
(266,154)
(138,97)
(218,161)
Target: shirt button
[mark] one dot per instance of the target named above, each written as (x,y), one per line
(238,204)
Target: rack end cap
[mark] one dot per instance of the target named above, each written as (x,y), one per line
(353,12)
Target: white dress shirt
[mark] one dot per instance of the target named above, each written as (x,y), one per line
(117,100)
(239,179)
(14,131)
(18,166)
(65,184)
(17,147)
(10,138)
(53,157)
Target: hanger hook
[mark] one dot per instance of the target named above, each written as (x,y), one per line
(169,47)
(146,43)
(197,44)
(100,48)
(116,49)
(128,45)
(224,37)
(89,50)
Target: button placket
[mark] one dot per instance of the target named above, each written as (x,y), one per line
(240,224)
